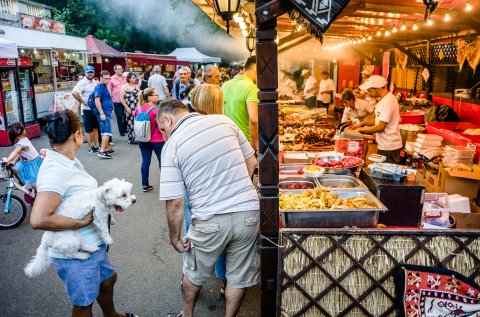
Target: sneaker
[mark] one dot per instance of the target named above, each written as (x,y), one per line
(147,188)
(112,151)
(104,155)
(112,144)
(93,150)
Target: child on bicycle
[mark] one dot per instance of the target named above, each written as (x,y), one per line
(24,152)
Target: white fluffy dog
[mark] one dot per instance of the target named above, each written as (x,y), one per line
(114,194)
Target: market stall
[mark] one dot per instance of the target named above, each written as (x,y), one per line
(102,56)
(310,264)
(56,58)
(17,102)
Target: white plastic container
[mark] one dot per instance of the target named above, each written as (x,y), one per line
(436,210)
(459,203)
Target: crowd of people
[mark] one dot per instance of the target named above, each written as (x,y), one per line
(204,135)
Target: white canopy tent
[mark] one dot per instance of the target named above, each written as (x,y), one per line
(8,49)
(192,55)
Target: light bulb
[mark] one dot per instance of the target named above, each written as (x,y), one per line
(277,40)
(379,33)
(429,22)
(415,27)
(242,25)
(403,27)
(468,6)
(387,33)
(22,51)
(447,17)
(244,33)
(394,30)
(364,39)
(370,37)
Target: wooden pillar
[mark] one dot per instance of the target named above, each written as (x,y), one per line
(267,81)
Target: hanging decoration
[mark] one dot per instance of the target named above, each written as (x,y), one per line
(401,59)
(431,6)
(473,54)
(316,16)
(441,54)
(425,74)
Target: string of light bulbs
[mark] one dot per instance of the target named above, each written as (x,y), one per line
(387,31)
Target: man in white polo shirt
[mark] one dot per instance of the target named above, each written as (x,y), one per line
(209,157)
(310,88)
(387,119)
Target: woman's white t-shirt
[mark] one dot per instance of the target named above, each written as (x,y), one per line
(67,177)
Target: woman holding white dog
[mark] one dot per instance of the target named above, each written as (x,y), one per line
(85,280)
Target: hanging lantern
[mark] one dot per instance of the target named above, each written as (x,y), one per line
(226,9)
(251,42)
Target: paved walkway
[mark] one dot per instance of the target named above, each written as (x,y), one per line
(148,267)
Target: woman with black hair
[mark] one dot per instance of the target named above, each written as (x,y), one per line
(62,175)
(129,97)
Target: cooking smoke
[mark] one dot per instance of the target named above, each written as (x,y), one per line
(177,21)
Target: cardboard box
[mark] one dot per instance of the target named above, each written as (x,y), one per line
(431,182)
(459,182)
(468,220)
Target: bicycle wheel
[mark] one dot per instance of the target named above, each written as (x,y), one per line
(18,212)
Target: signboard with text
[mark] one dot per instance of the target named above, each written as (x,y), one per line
(22,61)
(41,24)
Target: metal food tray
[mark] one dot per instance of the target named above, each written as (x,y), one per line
(284,182)
(335,218)
(289,170)
(338,180)
(338,171)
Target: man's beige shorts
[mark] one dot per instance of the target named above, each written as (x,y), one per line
(236,234)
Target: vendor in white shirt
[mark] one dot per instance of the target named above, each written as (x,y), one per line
(325,90)
(387,119)
(356,110)
(310,88)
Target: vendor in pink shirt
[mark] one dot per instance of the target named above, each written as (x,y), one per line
(115,86)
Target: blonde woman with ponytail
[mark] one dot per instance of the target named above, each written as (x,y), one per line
(148,103)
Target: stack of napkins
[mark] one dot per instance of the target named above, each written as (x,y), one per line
(428,145)
(454,154)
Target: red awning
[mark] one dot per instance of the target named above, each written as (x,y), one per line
(96,46)
(154,59)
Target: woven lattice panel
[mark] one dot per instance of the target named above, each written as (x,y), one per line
(352,274)
(443,54)
(420,52)
(404,78)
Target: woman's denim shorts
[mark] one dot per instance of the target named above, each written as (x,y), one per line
(82,278)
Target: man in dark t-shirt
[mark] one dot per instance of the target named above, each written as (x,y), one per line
(104,104)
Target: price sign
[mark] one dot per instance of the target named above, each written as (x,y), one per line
(471,146)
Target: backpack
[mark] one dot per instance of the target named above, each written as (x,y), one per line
(91,103)
(141,126)
(441,113)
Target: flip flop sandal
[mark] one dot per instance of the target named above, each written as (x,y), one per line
(130,315)
(180,314)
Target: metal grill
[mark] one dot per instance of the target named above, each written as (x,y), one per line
(350,272)
(443,54)
(420,52)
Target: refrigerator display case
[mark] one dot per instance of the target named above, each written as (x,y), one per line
(17,97)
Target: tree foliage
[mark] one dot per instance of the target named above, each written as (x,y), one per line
(84,17)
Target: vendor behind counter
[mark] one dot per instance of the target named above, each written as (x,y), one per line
(385,125)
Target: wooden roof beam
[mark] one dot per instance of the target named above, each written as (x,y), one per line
(351,9)
(409,54)
(302,40)
(291,37)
